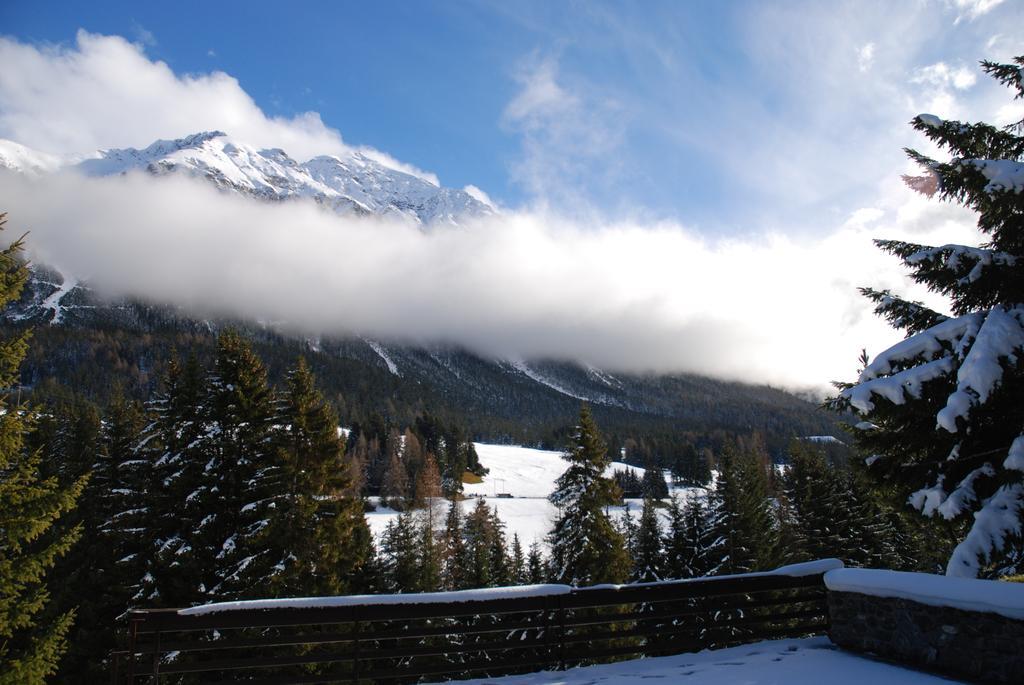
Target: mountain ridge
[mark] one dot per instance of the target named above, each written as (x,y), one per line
(351,184)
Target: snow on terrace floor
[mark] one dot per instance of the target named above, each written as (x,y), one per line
(809,661)
(528,475)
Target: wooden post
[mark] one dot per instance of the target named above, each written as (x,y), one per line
(133,631)
(561,633)
(355,648)
(156,659)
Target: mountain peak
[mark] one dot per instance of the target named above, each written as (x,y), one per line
(350,183)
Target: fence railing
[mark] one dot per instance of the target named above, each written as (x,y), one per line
(485,633)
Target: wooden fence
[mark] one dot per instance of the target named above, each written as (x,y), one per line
(482,634)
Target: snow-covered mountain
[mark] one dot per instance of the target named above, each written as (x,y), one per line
(17,157)
(349,184)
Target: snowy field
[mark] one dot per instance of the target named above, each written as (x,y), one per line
(528,475)
(809,661)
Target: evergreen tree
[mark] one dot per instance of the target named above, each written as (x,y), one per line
(400,563)
(313,530)
(394,490)
(942,407)
(536,566)
(30,506)
(455,558)
(479,534)
(430,554)
(179,501)
(815,507)
(693,546)
(585,547)
(241,471)
(746,518)
(653,483)
(647,553)
(501,564)
(109,562)
(626,526)
(518,559)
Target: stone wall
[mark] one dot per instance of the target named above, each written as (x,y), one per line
(983,647)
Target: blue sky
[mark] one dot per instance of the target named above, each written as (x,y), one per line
(728,116)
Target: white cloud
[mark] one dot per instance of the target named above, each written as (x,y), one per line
(105,92)
(144,35)
(865,56)
(942,75)
(972,9)
(568,135)
(479,195)
(620,295)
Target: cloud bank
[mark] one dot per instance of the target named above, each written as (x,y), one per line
(622,296)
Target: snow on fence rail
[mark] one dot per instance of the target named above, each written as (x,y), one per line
(491,632)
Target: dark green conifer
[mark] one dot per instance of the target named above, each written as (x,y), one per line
(454,556)
(746,519)
(585,547)
(30,507)
(313,530)
(536,566)
(647,552)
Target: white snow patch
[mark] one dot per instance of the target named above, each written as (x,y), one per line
(998,518)
(807,661)
(53,301)
(1002,174)
(379,349)
(481,595)
(930,120)
(520,365)
(824,438)
(1001,336)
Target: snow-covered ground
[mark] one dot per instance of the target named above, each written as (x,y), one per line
(809,661)
(528,475)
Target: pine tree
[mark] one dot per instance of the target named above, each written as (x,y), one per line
(241,471)
(746,521)
(518,559)
(693,546)
(109,561)
(815,506)
(647,553)
(478,535)
(317,513)
(653,483)
(30,506)
(536,566)
(942,408)
(626,525)
(585,547)
(400,563)
(180,500)
(454,556)
(394,490)
(501,564)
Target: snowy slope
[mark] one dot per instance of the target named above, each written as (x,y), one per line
(17,157)
(528,475)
